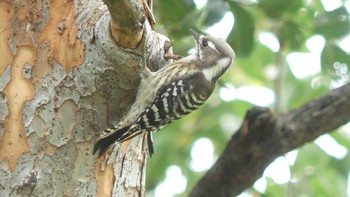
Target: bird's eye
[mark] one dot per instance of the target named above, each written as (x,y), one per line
(204,43)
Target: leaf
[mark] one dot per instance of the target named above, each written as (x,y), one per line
(175,16)
(254,66)
(317,173)
(332,53)
(215,11)
(242,36)
(275,8)
(291,35)
(333,24)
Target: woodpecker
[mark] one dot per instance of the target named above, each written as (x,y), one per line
(171,92)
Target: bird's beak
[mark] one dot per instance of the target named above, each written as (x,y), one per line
(195,34)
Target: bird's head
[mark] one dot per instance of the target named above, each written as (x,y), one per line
(211,49)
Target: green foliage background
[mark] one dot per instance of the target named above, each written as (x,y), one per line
(292,22)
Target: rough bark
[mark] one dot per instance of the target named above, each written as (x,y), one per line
(264,136)
(63,79)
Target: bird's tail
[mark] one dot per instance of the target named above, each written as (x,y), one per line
(109,137)
(112,135)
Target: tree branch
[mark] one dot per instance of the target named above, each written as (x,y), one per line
(127,21)
(264,136)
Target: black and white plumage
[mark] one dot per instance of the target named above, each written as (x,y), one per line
(171,92)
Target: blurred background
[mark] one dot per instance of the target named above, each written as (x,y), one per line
(288,52)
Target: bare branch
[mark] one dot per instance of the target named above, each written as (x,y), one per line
(127,21)
(265,136)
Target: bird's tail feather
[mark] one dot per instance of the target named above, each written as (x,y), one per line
(120,135)
(103,143)
(150,143)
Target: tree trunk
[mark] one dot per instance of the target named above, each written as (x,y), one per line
(65,76)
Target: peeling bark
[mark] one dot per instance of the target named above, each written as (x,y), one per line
(60,32)
(6,13)
(18,91)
